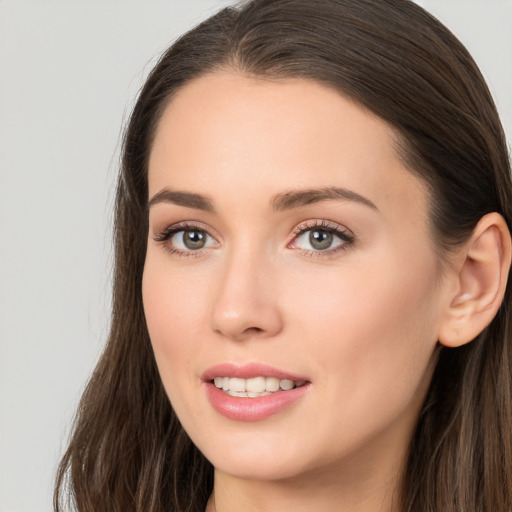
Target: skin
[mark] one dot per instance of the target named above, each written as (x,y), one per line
(360,322)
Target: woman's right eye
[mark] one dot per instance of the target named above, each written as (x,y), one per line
(185,241)
(190,240)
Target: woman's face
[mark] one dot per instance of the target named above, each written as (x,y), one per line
(288,247)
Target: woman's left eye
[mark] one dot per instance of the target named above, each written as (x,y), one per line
(322,238)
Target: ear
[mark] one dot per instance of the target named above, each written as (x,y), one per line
(481,277)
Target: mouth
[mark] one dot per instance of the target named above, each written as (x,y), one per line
(254,387)
(253,391)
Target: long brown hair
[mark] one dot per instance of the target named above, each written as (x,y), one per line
(128,451)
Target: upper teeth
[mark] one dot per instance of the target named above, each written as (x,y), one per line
(256,386)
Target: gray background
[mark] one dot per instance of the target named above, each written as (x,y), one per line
(69,71)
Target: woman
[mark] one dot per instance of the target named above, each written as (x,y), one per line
(312,250)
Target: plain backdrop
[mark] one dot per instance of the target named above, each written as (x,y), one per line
(69,73)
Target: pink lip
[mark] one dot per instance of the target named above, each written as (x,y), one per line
(251,409)
(247,371)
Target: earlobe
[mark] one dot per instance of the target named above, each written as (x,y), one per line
(481,282)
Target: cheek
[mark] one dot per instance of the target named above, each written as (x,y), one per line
(372,330)
(173,303)
(172,297)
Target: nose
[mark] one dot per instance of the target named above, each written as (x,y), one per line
(246,300)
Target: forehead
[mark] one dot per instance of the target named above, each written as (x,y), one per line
(230,132)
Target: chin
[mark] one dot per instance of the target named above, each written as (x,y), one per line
(257,456)
(254,467)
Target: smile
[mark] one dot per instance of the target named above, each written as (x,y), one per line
(255,386)
(253,391)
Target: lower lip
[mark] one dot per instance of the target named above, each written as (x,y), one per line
(253,409)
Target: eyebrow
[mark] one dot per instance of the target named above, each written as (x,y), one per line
(280,202)
(298,198)
(188,199)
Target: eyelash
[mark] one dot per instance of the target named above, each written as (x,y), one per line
(163,237)
(345,235)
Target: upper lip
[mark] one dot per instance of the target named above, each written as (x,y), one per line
(248,371)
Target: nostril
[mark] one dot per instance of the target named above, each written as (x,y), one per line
(253,330)
(256,329)
(249,332)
